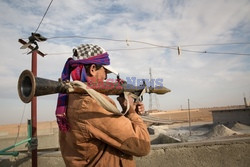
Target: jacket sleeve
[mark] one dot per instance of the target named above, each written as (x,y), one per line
(128,134)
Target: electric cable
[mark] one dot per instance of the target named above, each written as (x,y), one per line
(44,16)
(19,126)
(217,44)
(217,53)
(162,46)
(114,40)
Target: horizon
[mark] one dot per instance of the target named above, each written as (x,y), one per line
(159,111)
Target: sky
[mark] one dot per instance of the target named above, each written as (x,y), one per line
(153,31)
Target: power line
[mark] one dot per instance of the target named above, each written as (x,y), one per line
(59,53)
(143,48)
(217,53)
(109,50)
(185,50)
(19,126)
(217,44)
(44,16)
(147,43)
(160,46)
(84,37)
(114,40)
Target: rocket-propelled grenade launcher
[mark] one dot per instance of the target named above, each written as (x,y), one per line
(30,86)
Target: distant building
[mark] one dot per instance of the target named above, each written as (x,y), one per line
(227,116)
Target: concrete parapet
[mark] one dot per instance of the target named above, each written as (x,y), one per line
(230,153)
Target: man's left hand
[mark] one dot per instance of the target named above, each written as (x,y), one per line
(140,108)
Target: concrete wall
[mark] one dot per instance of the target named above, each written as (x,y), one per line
(231,116)
(230,153)
(214,154)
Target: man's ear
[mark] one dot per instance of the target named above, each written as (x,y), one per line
(92,69)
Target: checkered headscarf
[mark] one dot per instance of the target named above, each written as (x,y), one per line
(86,51)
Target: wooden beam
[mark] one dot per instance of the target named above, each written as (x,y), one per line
(31,47)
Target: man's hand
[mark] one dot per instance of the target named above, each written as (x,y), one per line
(133,107)
(140,108)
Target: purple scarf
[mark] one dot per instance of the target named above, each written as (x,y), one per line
(79,73)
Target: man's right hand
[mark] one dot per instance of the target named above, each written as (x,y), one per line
(123,103)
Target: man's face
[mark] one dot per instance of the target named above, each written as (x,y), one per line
(101,74)
(96,74)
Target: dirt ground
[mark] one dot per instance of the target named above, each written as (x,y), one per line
(199,127)
(11,130)
(48,126)
(183,115)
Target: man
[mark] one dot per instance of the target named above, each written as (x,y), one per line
(89,134)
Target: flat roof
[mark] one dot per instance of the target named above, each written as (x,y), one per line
(232,110)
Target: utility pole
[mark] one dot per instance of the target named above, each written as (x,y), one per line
(245,101)
(34,111)
(34,142)
(150,95)
(189,118)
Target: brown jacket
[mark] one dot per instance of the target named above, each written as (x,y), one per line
(100,138)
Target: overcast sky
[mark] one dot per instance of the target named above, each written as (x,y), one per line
(198,27)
